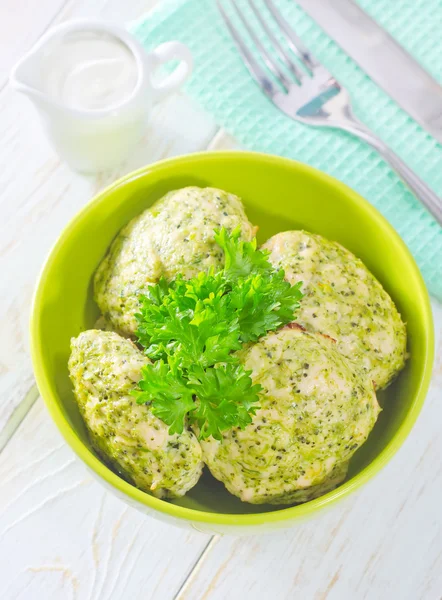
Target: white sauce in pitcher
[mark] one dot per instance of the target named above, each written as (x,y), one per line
(89,71)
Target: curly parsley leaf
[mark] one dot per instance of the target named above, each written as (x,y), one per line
(193,328)
(168,392)
(264,303)
(194,322)
(241,258)
(226,398)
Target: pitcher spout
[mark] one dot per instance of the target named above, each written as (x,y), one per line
(25,77)
(30,74)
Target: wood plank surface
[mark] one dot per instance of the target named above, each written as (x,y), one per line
(63,536)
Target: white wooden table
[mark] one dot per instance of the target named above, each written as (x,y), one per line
(61,535)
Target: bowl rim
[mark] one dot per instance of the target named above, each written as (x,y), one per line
(290,513)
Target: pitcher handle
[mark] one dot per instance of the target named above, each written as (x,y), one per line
(165,53)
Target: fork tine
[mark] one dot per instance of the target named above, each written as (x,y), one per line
(271,63)
(254,68)
(278,47)
(292,39)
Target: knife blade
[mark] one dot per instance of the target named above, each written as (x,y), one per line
(382,58)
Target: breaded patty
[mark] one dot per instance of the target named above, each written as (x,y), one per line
(174,236)
(344,300)
(104,369)
(316,410)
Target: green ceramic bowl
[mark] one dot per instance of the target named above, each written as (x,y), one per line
(278,194)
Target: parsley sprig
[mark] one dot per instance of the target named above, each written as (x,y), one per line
(191,330)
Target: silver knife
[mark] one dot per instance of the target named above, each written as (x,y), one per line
(382,58)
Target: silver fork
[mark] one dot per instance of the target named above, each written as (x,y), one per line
(311,95)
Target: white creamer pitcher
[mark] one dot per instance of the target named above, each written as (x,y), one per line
(93,86)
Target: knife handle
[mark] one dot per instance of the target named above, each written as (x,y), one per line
(420,189)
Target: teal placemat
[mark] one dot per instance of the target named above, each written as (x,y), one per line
(223,87)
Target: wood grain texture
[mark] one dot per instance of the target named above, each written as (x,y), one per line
(39,194)
(384,543)
(63,536)
(223,141)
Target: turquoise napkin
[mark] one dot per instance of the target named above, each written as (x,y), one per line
(223,87)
